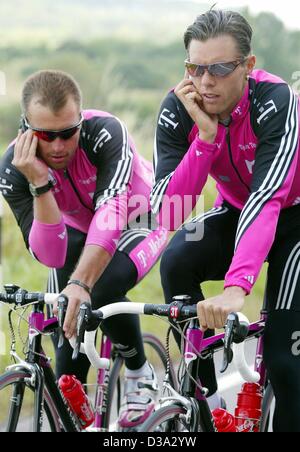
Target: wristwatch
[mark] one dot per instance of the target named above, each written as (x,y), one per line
(38,191)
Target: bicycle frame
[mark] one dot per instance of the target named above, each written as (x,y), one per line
(195,342)
(43,376)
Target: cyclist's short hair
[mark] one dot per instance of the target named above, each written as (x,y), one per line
(52,89)
(215,23)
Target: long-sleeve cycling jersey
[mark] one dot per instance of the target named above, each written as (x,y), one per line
(254,160)
(106,186)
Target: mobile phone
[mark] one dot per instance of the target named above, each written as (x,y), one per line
(23,126)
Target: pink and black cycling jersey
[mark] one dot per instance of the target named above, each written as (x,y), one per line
(106,186)
(254,161)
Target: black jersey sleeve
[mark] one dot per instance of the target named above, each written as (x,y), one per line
(15,190)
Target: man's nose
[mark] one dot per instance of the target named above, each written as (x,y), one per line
(58,145)
(207,79)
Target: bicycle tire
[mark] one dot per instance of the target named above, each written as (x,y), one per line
(114,386)
(17,379)
(165,420)
(266,409)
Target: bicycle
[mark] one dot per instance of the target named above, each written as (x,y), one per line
(186,409)
(35,375)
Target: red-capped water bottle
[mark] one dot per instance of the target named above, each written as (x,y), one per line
(74,393)
(224,421)
(248,411)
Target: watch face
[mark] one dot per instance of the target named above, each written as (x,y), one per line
(32,189)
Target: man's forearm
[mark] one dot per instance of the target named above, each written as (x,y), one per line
(92,265)
(236,290)
(48,237)
(46,209)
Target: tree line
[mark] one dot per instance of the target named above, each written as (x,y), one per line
(131,77)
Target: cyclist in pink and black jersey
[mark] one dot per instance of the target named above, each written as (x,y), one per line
(240,126)
(80,194)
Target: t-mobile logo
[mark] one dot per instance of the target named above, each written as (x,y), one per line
(166,119)
(103,137)
(143,258)
(4,187)
(296,345)
(265,113)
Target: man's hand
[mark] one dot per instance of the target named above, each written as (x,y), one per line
(26,161)
(188,94)
(76,296)
(213,312)
(92,264)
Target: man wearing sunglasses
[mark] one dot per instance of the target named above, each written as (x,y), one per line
(80,194)
(241,127)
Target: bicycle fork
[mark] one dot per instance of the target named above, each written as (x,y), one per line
(36,382)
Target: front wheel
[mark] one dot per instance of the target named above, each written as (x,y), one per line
(17,402)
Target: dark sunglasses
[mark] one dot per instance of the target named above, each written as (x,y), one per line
(51,135)
(216,69)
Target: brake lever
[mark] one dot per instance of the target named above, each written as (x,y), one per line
(231,324)
(85,308)
(62,305)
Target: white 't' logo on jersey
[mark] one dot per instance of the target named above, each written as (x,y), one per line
(103,137)
(266,112)
(166,119)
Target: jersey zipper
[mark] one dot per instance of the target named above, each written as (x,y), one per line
(231,159)
(68,177)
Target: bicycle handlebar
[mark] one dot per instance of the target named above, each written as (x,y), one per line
(23,298)
(174,311)
(241,324)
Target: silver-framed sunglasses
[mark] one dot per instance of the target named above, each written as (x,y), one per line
(221,69)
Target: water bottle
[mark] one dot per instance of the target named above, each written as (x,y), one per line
(224,421)
(248,411)
(78,401)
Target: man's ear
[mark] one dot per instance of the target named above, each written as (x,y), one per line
(251,62)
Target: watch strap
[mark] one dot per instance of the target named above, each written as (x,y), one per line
(80,284)
(38,191)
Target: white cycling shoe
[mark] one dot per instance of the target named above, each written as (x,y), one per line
(139,400)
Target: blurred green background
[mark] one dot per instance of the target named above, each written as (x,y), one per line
(126,55)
